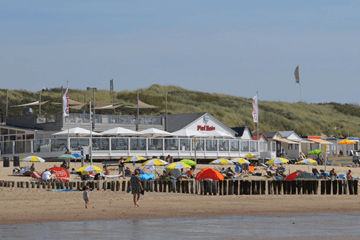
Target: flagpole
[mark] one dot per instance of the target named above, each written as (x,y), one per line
(257,124)
(90,134)
(195,141)
(68,138)
(300,91)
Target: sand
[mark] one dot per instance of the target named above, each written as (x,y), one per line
(40,205)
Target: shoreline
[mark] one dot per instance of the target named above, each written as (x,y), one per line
(23,206)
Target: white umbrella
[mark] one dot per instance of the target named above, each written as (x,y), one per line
(154,132)
(77,131)
(188,133)
(240,160)
(155,162)
(217,133)
(119,131)
(32,159)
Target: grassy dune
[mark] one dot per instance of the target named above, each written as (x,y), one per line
(331,119)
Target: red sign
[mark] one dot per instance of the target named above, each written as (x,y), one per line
(205,128)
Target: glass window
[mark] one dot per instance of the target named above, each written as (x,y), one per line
(297,146)
(253,146)
(77,143)
(119,143)
(199,145)
(273,147)
(211,145)
(155,144)
(57,145)
(185,144)
(224,145)
(19,146)
(234,145)
(172,144)
(244,146)
(137,144)
(290,146)
(8,148)
(100,144)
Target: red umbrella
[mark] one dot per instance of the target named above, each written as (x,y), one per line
(209,173)
(61,173)
(292,176)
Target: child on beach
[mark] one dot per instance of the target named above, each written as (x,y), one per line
(86,196)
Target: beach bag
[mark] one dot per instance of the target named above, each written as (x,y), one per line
(142,192)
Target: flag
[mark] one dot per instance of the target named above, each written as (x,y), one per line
(195,140)
(66,103)
(255,112)
(296,73)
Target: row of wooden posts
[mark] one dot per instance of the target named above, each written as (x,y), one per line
(208,187)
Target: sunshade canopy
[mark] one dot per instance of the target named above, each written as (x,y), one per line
(221,161)
(209,173)
(119,131)
(301,176)
(188,162)
(67,156)
(249,155)
(154,132)
(277,161)
(61,173)
(240,160)
(154,162)
(89,168)
(134,159)
(178,165)
(347,142)
(32,159)
(315,151)
(308,161)
(37,103)
(77,131)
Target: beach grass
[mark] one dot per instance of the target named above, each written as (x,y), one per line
(330,119)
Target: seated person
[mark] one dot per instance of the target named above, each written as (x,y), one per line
(191,173)
(164,176)
(279,172)
(315,172)
(171,177)
(48,176)
(333,173)
(183,174)
(349,175)
(64,165)
(32,168)
(127,171)
(107,171)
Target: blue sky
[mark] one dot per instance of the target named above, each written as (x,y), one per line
(231,47)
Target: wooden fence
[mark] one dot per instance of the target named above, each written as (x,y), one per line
(208,187)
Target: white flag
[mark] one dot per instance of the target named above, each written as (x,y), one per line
(66,103)
(255,112)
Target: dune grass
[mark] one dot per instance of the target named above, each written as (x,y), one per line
(330,119)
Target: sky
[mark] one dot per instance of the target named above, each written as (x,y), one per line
(228,47)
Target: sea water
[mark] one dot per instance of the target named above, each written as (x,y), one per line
(324,226)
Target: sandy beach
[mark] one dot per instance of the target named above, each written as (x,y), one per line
(41,205)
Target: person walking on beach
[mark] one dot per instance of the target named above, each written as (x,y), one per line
(136,187)
(86,196)
(122,167)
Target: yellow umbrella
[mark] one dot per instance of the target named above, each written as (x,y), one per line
(277,160)
(134,159)
(249,155)
(178,165)
(154,162)
(240,160)
(307,161)
(221,161)
(89,168)
(347,142)
(32,159)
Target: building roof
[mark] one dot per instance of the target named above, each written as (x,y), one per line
(176,122)
(258,137)
(269,134)
(240,130)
